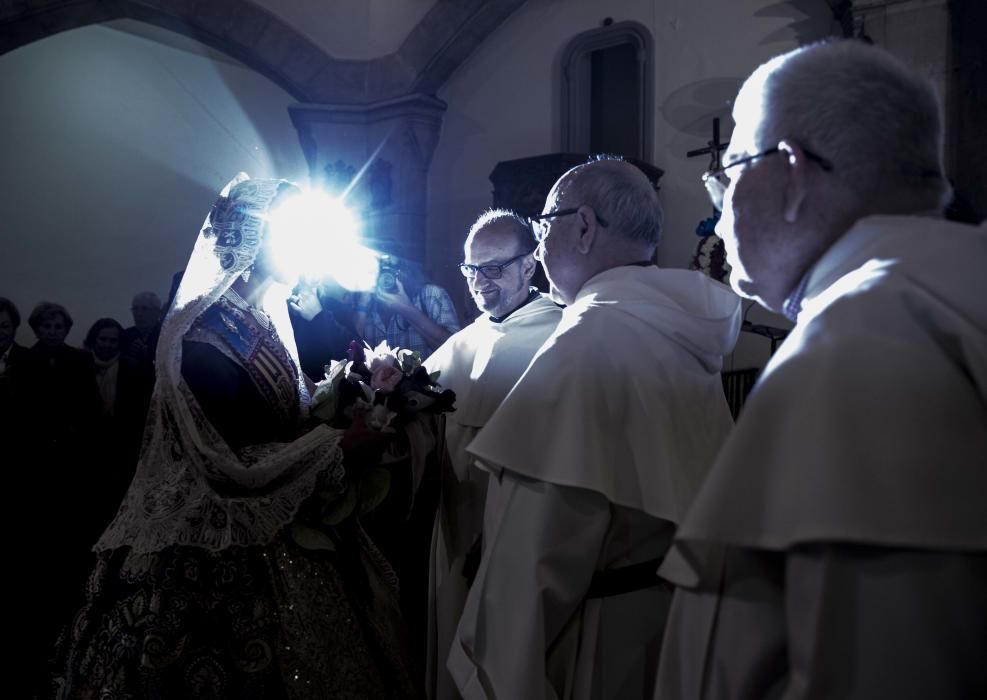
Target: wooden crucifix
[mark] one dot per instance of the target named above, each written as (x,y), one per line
(714,148)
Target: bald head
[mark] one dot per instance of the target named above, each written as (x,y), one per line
(611,218)
(620,194)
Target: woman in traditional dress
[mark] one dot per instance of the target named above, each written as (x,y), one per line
(200,589)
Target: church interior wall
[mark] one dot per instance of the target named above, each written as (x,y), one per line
(115,140)
(504,104)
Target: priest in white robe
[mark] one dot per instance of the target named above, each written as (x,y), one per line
(480,363)
(595,454)
(838,548)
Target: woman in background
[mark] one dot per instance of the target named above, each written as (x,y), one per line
(58,406)
(124,386)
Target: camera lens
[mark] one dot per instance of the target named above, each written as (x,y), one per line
(387,282)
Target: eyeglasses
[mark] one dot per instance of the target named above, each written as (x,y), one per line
(491,272)
(717,181)
(539,224)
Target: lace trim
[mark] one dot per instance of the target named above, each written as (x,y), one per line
(180,496)
(190,488)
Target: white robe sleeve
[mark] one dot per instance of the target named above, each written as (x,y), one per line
(831,621)
(539,557)
(877,622)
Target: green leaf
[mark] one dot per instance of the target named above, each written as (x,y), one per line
(310,538)
(375,483)
(325,411)
(341,508)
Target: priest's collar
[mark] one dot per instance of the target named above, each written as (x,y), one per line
(533,294)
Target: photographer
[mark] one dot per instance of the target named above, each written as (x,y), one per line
(405,310)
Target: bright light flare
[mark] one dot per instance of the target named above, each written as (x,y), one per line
(314,235)
(355,268)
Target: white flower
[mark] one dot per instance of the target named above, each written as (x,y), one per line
(382,352)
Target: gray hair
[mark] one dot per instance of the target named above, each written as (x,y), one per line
(875,119)
(622,196)
(146,299)
(516,225)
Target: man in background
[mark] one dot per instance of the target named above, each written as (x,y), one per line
(140,341)
(405,310)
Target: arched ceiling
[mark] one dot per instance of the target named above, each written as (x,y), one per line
(352,29)
(287,44)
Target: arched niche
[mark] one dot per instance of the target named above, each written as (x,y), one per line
(607,103)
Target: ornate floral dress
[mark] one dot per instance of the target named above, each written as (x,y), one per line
(271,621)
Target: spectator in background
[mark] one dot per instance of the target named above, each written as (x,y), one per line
(103,341)
(62,379)
(20,471)
(125,391)
(11,354)
(140,340)
(60,406)
(12,357)
(405,310)
(124,386)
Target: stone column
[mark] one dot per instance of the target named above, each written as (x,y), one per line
(381,153)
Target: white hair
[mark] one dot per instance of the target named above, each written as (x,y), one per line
(877,121)
(621,196)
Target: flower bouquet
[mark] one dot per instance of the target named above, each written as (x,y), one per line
(374,396)
(710,257)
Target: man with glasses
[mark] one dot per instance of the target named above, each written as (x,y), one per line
(838,547)
(480,363)
(595,453)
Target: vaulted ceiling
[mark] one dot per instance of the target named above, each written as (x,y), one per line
(317,51)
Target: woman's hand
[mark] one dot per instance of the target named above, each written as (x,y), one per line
(306,304)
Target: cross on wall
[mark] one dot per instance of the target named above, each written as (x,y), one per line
(714,148)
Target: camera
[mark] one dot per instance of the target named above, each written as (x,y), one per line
(387,276)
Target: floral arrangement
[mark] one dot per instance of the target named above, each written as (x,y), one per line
(372,396)
(379,388)
(710,257)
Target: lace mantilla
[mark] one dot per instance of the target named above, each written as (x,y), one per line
(190,487)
